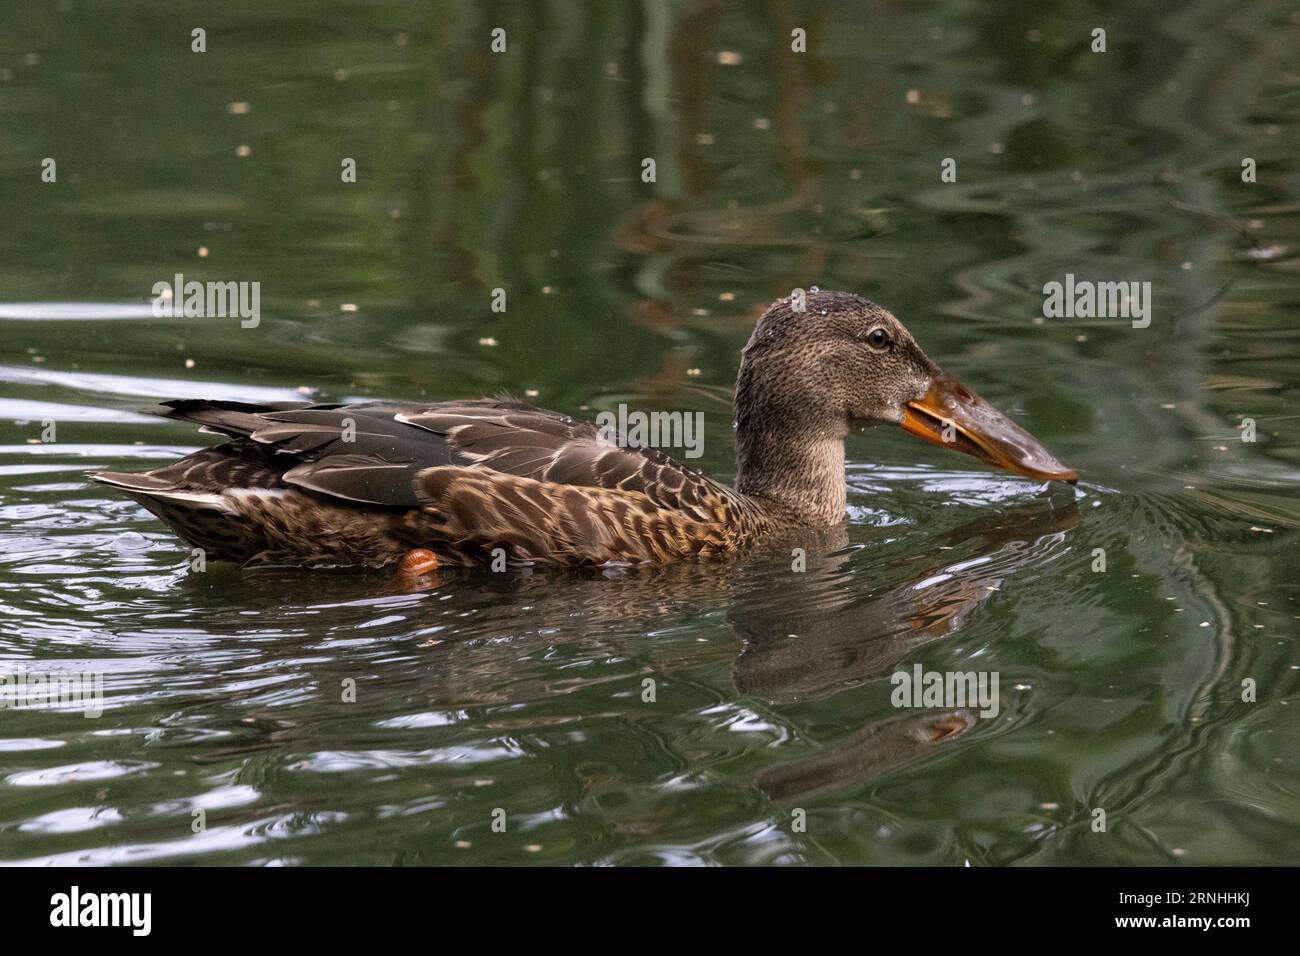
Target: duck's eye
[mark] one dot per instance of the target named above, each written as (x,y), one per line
(878,339)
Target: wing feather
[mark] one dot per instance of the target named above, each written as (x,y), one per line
(486,473)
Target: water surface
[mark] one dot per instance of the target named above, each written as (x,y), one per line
(524,695)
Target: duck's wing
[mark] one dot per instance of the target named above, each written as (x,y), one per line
(484,470)
(489,438)
(550,486)
(359,453)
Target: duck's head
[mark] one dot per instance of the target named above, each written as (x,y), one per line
(844,361)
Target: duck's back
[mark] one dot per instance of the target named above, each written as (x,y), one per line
(472,481)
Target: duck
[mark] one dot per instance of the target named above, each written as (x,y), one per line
(497,482)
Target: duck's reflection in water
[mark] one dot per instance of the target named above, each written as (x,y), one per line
(807,650)
(880,747)
(851,616)
(816,635)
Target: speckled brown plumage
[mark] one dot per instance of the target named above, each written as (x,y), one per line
(474,481)
(462,479)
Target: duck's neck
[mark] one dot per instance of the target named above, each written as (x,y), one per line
(802,473)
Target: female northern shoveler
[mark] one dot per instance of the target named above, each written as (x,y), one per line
(365,484)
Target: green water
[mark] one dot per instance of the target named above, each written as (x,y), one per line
(771,737)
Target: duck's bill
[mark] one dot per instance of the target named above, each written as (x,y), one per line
(953,416)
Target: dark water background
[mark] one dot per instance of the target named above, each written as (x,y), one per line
(1120,690)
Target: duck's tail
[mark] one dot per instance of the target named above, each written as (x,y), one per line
(202,519)
(145,487)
